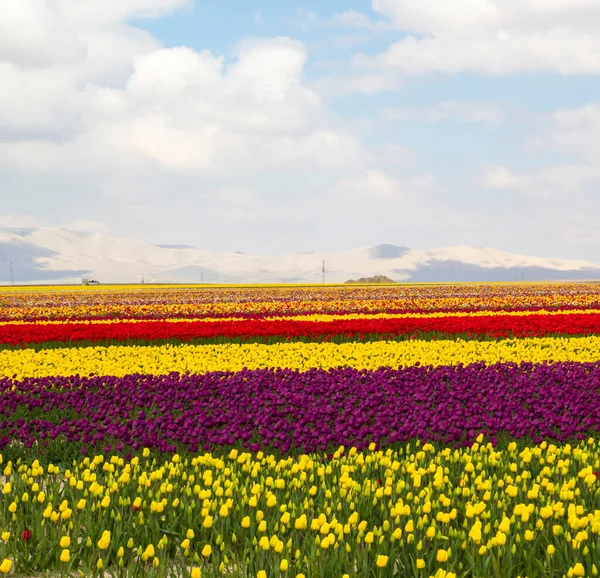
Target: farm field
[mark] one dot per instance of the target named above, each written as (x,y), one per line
(314,431)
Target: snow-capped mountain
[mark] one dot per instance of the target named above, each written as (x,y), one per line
(47,255)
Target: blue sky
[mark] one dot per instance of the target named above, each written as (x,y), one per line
(289,126)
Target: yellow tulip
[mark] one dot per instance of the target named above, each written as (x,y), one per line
(104,541)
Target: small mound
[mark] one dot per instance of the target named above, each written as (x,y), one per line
(376,279)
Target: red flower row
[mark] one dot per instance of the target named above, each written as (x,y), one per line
(489,325)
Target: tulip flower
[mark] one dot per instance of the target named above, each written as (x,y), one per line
(381,561)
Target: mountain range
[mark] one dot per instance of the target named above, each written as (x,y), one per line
(54,255)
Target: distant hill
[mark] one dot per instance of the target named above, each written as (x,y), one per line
(174,246)
(47,255)
(375,279)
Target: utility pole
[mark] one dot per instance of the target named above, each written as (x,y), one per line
(12,274)
(323,271)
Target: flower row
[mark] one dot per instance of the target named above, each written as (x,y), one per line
(163,359)
(491,326)
(320,317)
(311,411)
(413,512)
(203,302)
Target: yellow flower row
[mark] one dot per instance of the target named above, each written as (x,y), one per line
(158,360)
(416,511)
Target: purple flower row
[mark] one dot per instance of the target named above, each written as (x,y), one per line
(310,411)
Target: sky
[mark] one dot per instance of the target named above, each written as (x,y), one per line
(278,126)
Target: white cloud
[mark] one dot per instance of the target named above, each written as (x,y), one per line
(45,33)
(479,17)
(377,186)
(551,182)
(18,221)
(373,185)
(464,111)
(177,107)
(494,37)
(498,177)
(354,19)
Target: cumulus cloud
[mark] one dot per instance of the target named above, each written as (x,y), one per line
(183,109)
(492,37)
(46,33)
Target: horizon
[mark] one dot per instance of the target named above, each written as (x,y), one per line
(53,255)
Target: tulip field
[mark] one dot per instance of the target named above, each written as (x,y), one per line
(445,431)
